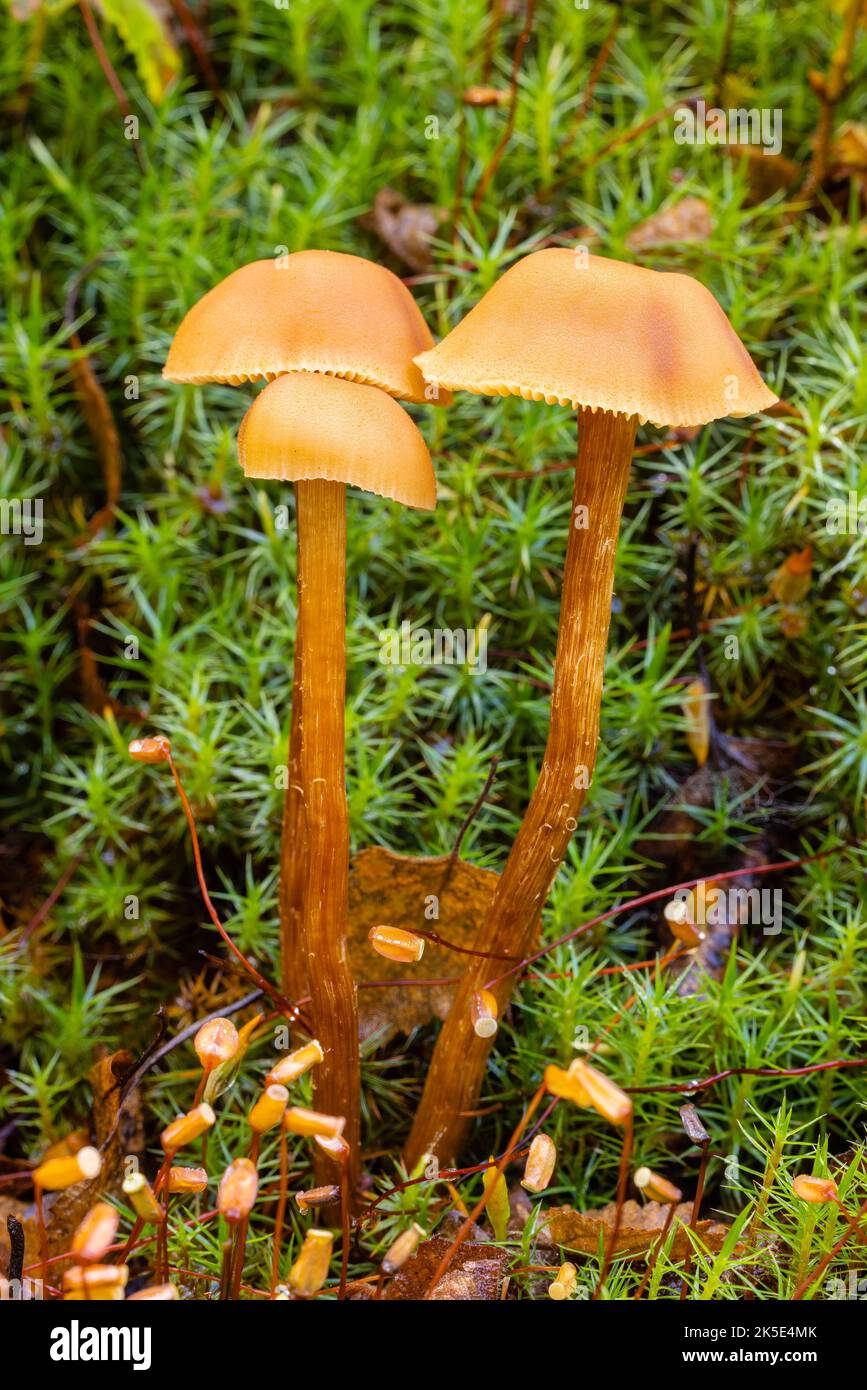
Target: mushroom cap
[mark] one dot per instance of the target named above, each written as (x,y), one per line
(304,425)
(579,330)
(313,311)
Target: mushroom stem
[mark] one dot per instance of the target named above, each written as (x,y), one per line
(293,974)
(325,887)
(457,1069)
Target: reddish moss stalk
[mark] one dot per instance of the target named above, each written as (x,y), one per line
(458,1066)
(323,914)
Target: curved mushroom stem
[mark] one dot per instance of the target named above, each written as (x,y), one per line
(293,974)
(322,618)
(457,1070)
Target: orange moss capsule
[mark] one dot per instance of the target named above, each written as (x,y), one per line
(269,1109)
(566,1086)
(813,1189)
(539,1168)
(310,1122)
(95,1233)
(676,914)
(187,1180)
(612,1104)
(483,1013)
(66,1147)
(334,1145)
(157,1293)
(310,1270)
(238,1188)
(399,1252)
(396,944)
(656,1188)
(187,1128)
(289,1068)
(142,1199)
(57,1173)
(216,1042)
(317,1197)
(99,1282)
(150,750)
(565,1284)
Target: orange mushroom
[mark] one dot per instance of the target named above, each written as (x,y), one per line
(324,434)
(621,345)
(311,311)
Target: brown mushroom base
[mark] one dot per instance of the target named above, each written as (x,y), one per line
(323,912)
(458,1066)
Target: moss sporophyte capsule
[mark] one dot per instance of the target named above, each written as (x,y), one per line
(95,1233)
(236,1194)
(187,1128)
(142,1199)
(57,1173)
(539,1168)
(311,1123)
(216,1042)
(269,1109)
(290,1068)
(396,944)
(310,1270)
(813,1189)
(656,1188)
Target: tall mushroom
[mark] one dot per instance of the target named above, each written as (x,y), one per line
(323,434)
(311,311)
(621,345)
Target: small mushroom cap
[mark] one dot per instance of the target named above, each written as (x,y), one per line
(308,426)
(572,329)
(313,311)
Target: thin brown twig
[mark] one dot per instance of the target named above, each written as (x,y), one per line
(468,820)
(39,916)
(830,90)
(494,161)
(595,73)
(111,76)
(197,43)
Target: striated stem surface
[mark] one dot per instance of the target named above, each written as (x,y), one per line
(457,1070)
(293,972)
(325,887)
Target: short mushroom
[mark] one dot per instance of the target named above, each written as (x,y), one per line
(323,434)
(621,344)
(311,311)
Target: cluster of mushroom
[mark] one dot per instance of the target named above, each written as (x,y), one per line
(340,340)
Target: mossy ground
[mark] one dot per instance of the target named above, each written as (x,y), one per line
(190,608)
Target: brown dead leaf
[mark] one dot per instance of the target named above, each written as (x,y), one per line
(406,228)
(120,1130)
(640,1225)
(767,173)
(688,220)
(475,1275)
(120,1139)
(400,890)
